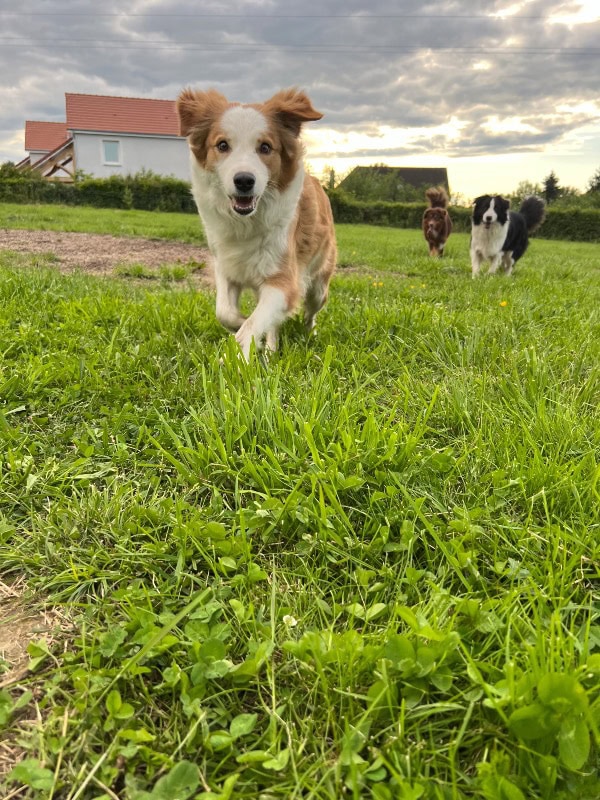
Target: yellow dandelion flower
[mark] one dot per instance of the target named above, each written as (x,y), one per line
(503,303)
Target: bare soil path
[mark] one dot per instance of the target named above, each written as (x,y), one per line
(99,254)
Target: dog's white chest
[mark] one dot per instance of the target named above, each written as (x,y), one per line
(488,241)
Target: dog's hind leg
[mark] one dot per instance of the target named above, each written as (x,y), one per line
(318,290)
(314,300)
(508,263)
(494,264)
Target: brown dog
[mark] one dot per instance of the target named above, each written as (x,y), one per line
(437,225)
(269,225)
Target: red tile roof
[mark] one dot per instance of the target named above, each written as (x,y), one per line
(44,135)
(90,112)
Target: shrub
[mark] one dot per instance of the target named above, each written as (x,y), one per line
(144,191)
(574,224)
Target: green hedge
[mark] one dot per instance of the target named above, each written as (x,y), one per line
(149,193)
(155,193)
(571,224)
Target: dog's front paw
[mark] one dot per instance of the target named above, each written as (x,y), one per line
(244,338)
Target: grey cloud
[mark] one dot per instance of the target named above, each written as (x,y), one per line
(362,69)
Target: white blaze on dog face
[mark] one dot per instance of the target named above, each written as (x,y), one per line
(241,149)
(489,215)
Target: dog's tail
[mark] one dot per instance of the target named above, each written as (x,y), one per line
(437,197)
(534,211)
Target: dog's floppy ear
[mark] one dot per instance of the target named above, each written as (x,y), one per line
(291,108)
(196,110)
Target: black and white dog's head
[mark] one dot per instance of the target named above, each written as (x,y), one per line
(489,209)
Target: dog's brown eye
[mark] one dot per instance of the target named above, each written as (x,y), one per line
(222,146)
(265,148)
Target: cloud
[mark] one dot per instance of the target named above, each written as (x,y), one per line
(387,67)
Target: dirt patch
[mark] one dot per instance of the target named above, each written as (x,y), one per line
(20,624)
(99,254)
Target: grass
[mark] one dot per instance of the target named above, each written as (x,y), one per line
(153,225)
(366,570)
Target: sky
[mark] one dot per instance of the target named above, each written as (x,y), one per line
(497,92)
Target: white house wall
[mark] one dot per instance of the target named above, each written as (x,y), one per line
(163,155)
(35,155)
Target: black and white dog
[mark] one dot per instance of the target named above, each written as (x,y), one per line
(499,235)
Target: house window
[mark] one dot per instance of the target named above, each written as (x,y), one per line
(111,151)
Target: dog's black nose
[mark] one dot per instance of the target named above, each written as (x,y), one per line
(488,218)
(244,181)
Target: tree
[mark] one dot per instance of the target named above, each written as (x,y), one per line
(594,182)
(551,188)
(329,177)
(9,170)
(523,190)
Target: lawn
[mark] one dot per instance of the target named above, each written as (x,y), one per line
(368,569)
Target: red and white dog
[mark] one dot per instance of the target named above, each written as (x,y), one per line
(269,225)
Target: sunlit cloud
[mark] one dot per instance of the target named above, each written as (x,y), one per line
(588,11)
(386,138)
(508,124)
(509,11)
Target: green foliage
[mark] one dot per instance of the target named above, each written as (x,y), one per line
(567,223)
(560,714)
(594,183)
(9,171)
(398,215)
(144,191)
(551,189)
(523,190)
(381,183)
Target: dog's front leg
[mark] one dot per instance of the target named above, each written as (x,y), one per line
(271,309)
(476,261)
(228,297)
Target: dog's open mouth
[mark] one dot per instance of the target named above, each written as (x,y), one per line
(244,204)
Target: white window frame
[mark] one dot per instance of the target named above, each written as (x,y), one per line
(119,161)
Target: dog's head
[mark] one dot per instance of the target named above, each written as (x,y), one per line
(249,147)
(489,209)
(434,221)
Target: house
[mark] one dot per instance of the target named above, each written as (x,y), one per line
(105,136)
(381,182)
(43,137)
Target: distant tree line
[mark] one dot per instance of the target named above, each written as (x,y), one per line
(560,196)
(378,183)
